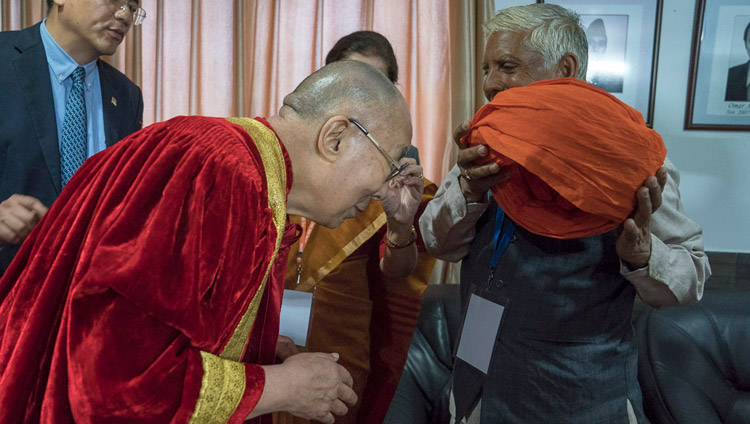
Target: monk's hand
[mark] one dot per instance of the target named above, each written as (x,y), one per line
(634,240)
(401,200)
(19,215)
(475,180)
(285,348)
(323,389)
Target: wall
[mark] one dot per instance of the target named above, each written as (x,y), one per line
(714,164)
(715,183)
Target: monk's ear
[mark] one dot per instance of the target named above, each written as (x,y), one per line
(330,137)
(567,66)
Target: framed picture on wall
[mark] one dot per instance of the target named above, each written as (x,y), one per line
(623,38)
(718,94)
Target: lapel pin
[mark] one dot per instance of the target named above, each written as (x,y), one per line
(114,102)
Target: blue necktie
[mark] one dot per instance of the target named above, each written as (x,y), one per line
(74,140)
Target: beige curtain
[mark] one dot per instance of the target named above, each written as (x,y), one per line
(275,30)
(16,14)
(240,57)
(467,50)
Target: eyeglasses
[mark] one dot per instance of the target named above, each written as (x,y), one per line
(131,7)
(396,169)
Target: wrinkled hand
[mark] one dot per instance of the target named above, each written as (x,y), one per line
(285,348)
(19,215)
(475,180)
(634,238)
(323,387)
(401,201)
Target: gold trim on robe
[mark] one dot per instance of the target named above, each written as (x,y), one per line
(340,243)
(275,168)
(358,240)
(222,387)
(223,382)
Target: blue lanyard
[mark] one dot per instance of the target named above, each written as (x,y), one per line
(501,240)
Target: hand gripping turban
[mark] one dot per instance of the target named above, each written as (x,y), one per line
(575,153)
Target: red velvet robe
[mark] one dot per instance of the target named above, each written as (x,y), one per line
(133,298)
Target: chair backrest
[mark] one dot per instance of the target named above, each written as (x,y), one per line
(424,388)
(694,361)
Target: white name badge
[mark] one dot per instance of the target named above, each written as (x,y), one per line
(479,332)
(296,309)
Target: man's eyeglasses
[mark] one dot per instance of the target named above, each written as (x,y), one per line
(131,7)
(396,169)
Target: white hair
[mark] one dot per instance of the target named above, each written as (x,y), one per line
(551,30)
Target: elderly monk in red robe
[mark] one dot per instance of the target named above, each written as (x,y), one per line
(369,273)
(154,296)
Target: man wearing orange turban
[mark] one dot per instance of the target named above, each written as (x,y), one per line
(567,238)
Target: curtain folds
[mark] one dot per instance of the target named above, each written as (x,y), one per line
(19,14)
(467,48)
(240,57)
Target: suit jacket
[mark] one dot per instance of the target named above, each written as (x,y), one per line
(29,149)
(737,83)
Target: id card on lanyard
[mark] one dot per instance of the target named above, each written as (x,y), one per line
(484,313)
(297,306)
(295,316)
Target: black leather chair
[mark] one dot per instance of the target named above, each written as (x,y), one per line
(422,393)
(694,361)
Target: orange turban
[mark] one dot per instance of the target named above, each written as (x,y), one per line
(576,156)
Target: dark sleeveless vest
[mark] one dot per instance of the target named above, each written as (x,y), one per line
(565,352)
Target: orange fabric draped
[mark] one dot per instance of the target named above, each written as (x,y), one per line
(576,156)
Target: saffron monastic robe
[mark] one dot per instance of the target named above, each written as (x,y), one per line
(365,316)
(150,292)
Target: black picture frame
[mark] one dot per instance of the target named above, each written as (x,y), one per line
(630,68)
(715,97)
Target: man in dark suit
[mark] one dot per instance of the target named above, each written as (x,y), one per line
(37,89)
(738,83)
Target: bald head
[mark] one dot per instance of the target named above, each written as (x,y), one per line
(337,168)
(343,88)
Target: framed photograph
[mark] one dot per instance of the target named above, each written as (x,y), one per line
(623,38)
(718,94)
